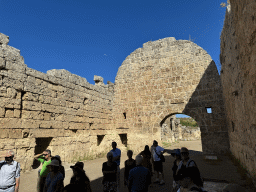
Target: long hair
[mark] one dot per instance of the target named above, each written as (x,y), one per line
(146,150)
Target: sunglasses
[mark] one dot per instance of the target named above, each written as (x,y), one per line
(45,154)
(184,153)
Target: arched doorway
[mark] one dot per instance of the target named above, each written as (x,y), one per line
(180,128)
(165,77)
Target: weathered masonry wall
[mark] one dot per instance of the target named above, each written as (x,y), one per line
(58,110)
(167,77)
(238,75)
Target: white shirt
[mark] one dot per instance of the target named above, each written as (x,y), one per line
(158,149)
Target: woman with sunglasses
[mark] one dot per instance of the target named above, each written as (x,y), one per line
(185,163)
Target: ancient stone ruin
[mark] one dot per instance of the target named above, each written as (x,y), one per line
(63,112)
(238,77)
(172,131)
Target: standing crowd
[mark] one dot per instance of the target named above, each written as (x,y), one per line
(137,173)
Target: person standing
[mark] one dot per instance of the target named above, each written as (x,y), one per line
(146,154)
(185,163)
(116,158)
(45,159)
(158,164)
(109,170)
(9,173)
(61,168)
(80,178)
(139,177)
(54,179)
(177,156)
(129,164)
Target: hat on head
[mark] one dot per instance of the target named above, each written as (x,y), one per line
(78,164)
(57,156)
(177,152)
(54,162)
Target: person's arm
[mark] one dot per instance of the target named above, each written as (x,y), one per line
(38,155)
(164,151)
(17,184)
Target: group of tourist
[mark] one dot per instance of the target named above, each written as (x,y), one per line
(137,173)
(52,175)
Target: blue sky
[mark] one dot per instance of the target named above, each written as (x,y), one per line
(91,38)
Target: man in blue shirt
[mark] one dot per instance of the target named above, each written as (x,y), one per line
(139,177)
(9,173)
(116,158)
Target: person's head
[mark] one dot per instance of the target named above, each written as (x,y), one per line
(146,148)
(78,167)
(184,153)
(57,157)
(114,145)
(47,154)
(177,154)
(139,159)
(9,156)
(110,156)
(129,154)
(54,166)
(155,143)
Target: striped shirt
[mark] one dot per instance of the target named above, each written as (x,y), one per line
(9,173)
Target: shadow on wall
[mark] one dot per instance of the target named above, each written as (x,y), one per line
(206,107)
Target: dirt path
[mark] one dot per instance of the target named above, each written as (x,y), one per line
(223,170)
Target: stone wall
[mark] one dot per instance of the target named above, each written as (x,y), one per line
(167,77)
(58,110)
(238,75)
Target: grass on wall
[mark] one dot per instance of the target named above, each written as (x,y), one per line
(188,122)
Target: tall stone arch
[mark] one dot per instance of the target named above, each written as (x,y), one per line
(166,77)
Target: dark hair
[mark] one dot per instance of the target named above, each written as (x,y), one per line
(48,151)
(155,142)
(146,150)
(114,143)
(56,158)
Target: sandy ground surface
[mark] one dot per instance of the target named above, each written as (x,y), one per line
(223,170)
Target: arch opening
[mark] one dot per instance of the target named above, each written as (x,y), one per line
(180,127)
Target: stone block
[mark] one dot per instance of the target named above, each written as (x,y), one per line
(4,39)
(16,84)
(2,112)
(9,113)
(3,91)
(30,124)
(2,63)
(11,93)
(21,68)
(47,133)
(31,105)
(10,123)
(37,74)
(4,133)
(15,133)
